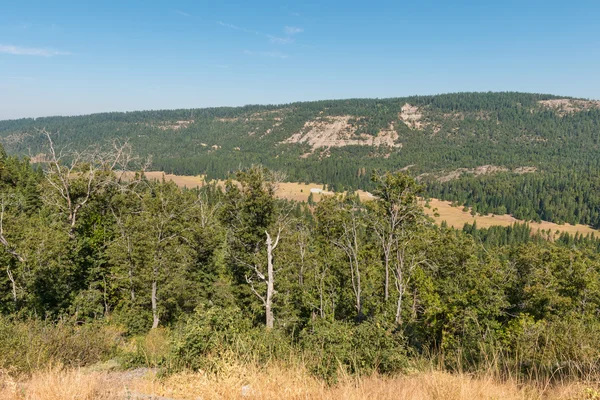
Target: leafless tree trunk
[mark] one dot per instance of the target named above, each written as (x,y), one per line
(302,246)
(269,279)
(405,266)
(10,251)
(400,284)
(155,319)
(386,232)
(321,294)
(394,213)
(94,167)
(105,297)
(349,244)
(159,264)
(13,283)
(125,236)
(3,239)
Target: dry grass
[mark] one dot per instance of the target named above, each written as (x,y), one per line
(454,216)
(273,382)
(58,384)
(181,180)
(286,190)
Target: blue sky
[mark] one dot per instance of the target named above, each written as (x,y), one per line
(78,57)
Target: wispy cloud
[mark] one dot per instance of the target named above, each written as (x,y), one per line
(288,39)
(280,40)
(292,30)
(183,13)
(274,54)
(270,54)
(238,28)
(30,51)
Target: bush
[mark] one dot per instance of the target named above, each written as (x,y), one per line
(559,347)
(214,335)
(136,319)
(26,346)
(206,336)
(358,349)
(151,350)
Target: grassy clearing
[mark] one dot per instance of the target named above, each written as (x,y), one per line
(454,216)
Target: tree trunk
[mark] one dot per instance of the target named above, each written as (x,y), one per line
(12,283)
(105,297)
(130,259)
(358,291)
(154,306)
(301,272)
(131,285)
(321,302)
(414,305)
(270,279)
(387,274)
(399,309)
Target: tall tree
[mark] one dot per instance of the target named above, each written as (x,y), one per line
(252,212)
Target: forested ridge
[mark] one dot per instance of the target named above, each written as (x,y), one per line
(555,137)
(90,259)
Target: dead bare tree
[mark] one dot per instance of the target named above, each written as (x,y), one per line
(268,279)
(394,207)
(321,273)
(348,241)
(9,249)
(407,260)
(126,238)
(77,176)
(303,242)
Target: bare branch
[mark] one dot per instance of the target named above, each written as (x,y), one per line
(3,239)
(254,290)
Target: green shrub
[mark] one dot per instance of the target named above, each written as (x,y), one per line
(137,320)
(364,348)
(214,334)
(26,346)
(206,334)
(151,350)
(559,347)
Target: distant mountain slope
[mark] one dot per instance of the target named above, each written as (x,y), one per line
(342,141)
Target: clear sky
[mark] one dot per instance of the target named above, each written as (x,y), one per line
(78,57)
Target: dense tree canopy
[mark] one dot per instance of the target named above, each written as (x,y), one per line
(462,130)
(358,282)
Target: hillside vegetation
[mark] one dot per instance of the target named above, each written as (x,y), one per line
(540,150)
(105,272)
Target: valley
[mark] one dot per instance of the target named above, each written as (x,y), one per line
(439,210)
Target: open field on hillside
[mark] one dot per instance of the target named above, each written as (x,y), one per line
(273,382)
(454,216)
(286,190)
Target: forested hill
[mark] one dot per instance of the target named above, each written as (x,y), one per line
(340,142)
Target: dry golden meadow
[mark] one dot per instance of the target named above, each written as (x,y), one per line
(274,382)
(454,216)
